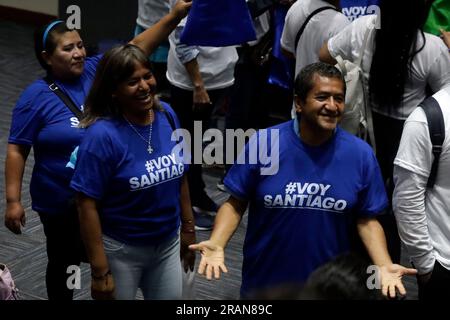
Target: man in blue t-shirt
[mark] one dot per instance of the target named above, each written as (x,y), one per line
(302,208)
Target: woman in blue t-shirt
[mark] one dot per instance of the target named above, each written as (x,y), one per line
(132,191)
(43,121)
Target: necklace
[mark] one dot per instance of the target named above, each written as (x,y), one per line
(149,141)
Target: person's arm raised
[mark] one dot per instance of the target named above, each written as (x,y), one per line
(151,38)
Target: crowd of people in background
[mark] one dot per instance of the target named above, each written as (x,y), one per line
(101,128)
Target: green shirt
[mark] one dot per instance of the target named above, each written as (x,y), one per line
(439,17)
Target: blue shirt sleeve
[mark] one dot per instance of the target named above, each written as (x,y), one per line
(27,118)
(184,52)
(92,63)
(171,114)
(95,161)
(372,199)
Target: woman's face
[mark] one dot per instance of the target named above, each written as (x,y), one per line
(67,61)
(136,94)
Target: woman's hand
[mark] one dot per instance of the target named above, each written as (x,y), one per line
(201,100)
(187,237)
(391,279)
(15,217)
(213,259)
(102,287)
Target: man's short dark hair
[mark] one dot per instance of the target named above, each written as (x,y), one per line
(304,80)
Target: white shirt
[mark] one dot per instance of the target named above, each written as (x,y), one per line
(151,11)
(319,29)
(216,64)
(262,26)
(423,216)
(430,66)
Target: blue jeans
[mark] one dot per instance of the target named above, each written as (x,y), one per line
(155,269)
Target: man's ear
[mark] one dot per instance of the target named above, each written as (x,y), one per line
(298,104)
(46,57)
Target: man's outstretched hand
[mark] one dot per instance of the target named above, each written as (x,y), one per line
(213,259)
(391,279)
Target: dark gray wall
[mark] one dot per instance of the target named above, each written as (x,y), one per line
(104,19)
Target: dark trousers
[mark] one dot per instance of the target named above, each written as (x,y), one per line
(64,248)
(182,104)
(162,84)
(438,287)
(248,106)
(388,132)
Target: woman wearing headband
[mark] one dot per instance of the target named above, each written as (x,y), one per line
(43,121)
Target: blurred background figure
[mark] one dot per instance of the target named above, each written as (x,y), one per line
(343,278)
(200,82)
(149,13)
(439,17)
(321,25)
(421,207)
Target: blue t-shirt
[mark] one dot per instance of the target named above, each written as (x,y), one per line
(138,193)
(356,8)
(40,119)
(301,217)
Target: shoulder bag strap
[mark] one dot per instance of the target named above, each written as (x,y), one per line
(436,127)
(64,97)
(302,28)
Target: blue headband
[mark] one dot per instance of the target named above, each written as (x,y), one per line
(47,30)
